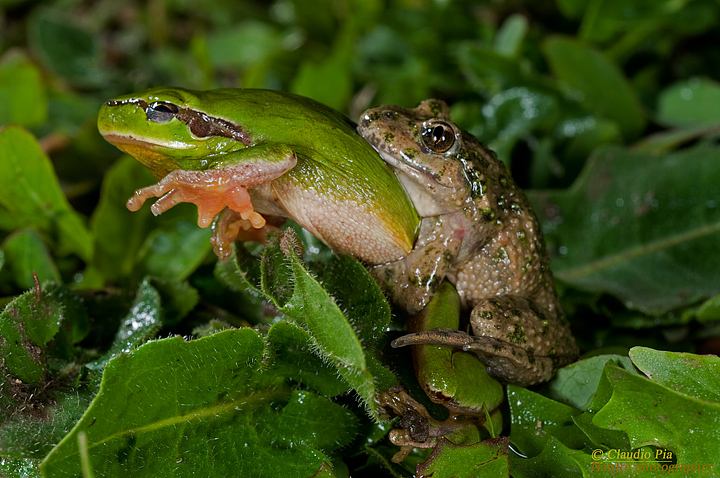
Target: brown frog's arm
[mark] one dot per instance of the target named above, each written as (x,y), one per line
(414,279)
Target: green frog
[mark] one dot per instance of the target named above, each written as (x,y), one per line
(478,232)
(247,155)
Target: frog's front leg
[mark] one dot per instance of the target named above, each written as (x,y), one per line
(413,281)
(223,184)
(516,341)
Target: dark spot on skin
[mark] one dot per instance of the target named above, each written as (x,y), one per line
(409,153)
(487,214)
(388,137)
(517,336)
(486,315)
(435,108)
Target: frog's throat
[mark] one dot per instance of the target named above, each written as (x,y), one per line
(146,152)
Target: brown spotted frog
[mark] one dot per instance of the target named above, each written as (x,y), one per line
(477,232)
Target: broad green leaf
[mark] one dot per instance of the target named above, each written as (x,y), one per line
(30,192)
(691,102)
(178,299)
(488,70)
(487,458)
(653,414)
(140,324)
(601,85)
(556,460)
(118,232)
(296,360)
(344,341)
(604,19)
(308,420)
(515,112)
(575,384)
(638,226)
(26,255)
(691,374)
(535,418)
(23,99)
(510,36)
(175,250)
(311,307)
(221,397)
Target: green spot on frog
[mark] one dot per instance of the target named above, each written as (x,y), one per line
(436,108)
(517,336)
(409,153)
(501,255)
(389,137)
(487,214)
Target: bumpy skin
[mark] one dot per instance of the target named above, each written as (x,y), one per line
(477,231)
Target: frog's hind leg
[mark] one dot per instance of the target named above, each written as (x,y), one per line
(515,341)
(518,342)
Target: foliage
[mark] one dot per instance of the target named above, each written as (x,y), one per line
(123,339)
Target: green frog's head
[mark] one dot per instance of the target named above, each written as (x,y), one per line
(169,128)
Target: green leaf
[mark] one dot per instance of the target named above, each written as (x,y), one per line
(690,102)
(308,420)
(575,384)
(344,341)
(119,233)
(535,418)
(653,414)
(601,85)
(510,36)
(66,48)
(555,460)
(296,360)
(23,99)
(311,307)
(639,226)
(175,250)
(26,255)
(222,403)
(515,112)
(27,324)
(605,18)
(140,324)
(487,458)
(30,192)
(690,374)
(178,298)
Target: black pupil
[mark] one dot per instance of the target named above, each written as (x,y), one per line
(161,112)
(439,138)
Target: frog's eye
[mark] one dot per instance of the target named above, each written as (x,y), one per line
(161,112)
(438,136)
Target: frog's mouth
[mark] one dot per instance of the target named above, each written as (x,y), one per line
(117,139)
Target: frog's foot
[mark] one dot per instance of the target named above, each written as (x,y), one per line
(210,190)
(230,226)
(419,429)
